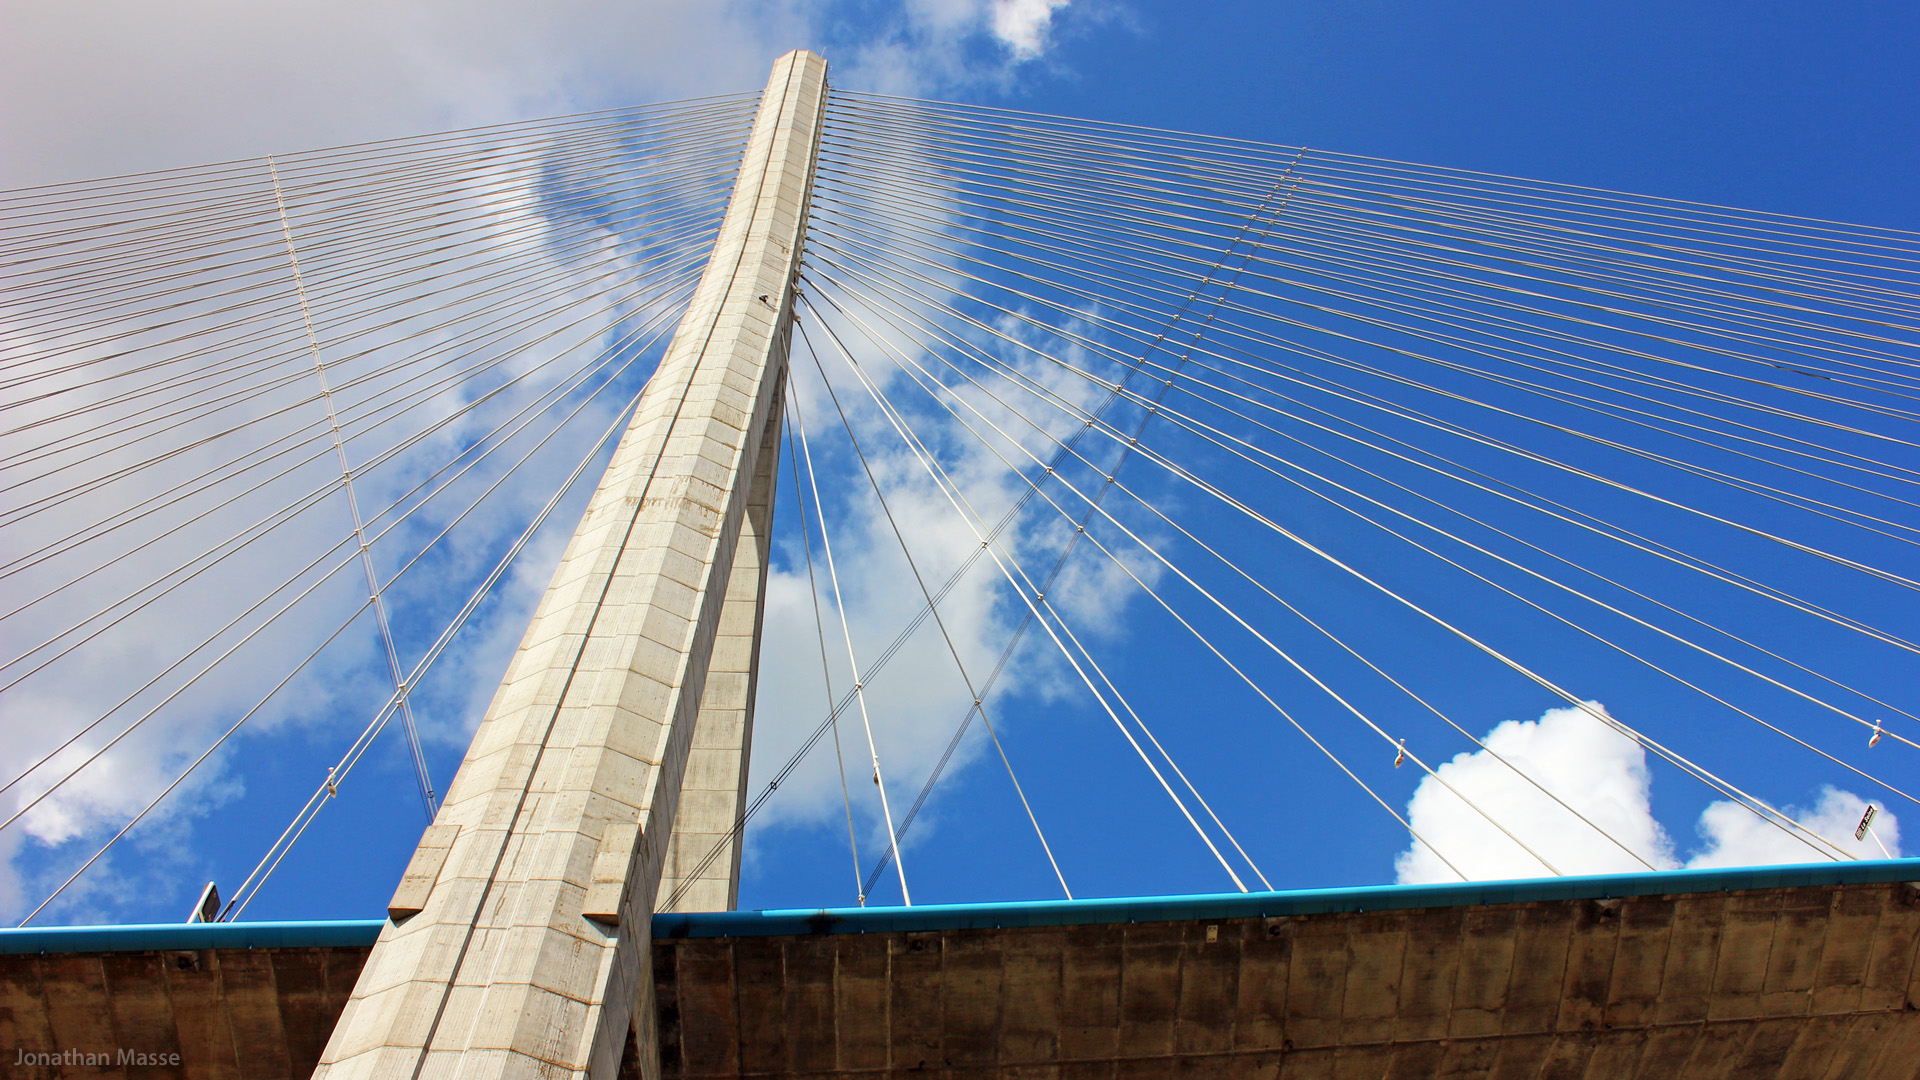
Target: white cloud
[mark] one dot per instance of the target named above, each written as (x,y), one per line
(932,46)
(1023,25)
(1599,773)
(1734,836)
(914,702)
(115,86)
(918,699)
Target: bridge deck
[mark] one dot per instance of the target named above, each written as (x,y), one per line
(1790,975)
(1780,972)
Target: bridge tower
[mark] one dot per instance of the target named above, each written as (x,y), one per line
(614,754)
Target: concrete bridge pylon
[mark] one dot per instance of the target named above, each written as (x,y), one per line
(614,754)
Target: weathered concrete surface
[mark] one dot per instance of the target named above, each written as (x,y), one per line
(249,1014)
(701,871)
(527,955)
(1807,983)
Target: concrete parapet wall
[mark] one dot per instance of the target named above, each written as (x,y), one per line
(248,1014)
(1807,982)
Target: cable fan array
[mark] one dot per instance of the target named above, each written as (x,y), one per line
(1171,443)
(1365,439)
(274,431)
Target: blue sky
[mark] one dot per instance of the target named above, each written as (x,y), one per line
(1786,108)
(1782,107)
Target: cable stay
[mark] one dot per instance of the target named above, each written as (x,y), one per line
(846,633)
(860,888)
